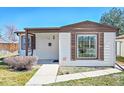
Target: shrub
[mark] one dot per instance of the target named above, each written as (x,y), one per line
(21,62)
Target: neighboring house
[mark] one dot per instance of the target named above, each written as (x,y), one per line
(120,45)
(81,44)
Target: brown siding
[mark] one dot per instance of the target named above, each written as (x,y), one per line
(33,42)
(101,46)
(22,43)
(73,46)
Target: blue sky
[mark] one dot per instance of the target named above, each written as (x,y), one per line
(47,16)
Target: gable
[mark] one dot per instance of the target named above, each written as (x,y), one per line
(89,26)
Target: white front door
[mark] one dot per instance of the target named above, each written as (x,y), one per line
(47,45)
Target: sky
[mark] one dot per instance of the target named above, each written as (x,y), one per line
(23,17)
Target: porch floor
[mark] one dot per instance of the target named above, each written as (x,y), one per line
(48,61)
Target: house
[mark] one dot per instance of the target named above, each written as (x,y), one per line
(85,43)
(120,45)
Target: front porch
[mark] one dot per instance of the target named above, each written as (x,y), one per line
(42,44)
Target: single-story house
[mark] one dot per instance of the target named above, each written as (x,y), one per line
(120,45)
(85,43)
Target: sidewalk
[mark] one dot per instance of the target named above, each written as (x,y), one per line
(46,74)
(81,75)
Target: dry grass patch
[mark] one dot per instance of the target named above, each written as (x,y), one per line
(9,77)
(71,70)
(107,80)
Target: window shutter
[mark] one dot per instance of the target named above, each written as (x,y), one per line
(73,42)
(101,46)
(23,42)
(33,42)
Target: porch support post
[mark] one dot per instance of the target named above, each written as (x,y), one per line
(26,40)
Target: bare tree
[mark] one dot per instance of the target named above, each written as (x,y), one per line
(0,33)
(10,32)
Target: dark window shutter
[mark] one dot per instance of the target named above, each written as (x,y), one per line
(23,42)
(73,42)
(33,43)
(101,46)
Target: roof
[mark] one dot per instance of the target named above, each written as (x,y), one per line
(85,25)
(120,37)
(91,23)
(80,26)
(47,28)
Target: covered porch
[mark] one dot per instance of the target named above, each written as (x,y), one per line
(42,43)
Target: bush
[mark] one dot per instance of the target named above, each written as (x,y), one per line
(21,62)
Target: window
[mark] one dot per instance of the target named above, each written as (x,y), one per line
(23,43)
(86,46)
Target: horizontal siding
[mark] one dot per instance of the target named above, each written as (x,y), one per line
(109,52)
(109,47)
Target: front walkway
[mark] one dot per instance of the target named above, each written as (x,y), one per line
(87,74)
(46,74)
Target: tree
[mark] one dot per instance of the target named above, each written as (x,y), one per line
(115,17)
(0,35)
(10,32)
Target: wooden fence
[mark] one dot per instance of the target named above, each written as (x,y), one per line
(11,47)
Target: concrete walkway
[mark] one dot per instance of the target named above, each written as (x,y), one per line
(86,74)
(46,74)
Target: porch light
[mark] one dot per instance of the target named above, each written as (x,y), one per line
(53,37)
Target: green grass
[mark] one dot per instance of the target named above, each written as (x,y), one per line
(9,77)
(108,80)
(7,55)
(120,59)
(71,70)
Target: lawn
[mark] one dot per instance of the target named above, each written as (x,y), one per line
(9,77)
(108,80)
(7,55)
(120,60)
(71,70)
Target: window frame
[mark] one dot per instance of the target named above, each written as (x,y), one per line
(96,45)
(23,37)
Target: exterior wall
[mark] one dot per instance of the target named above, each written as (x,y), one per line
(43,51)
(120,47)
(65,51)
